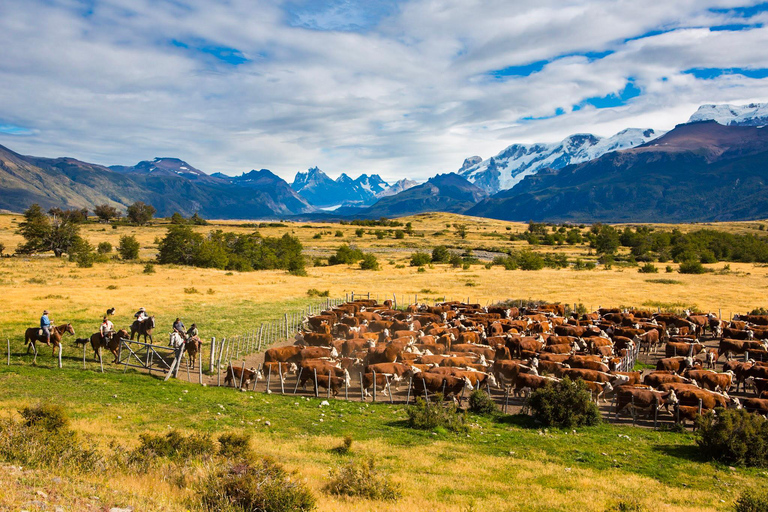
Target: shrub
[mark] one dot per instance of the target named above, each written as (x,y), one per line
(339,234)
(369,262)
(399,234)
(752,500)
(177,218)
(419,259)
(627,505)
(691,267)
(429,416)
(669,269)
(259,485)
(191,290)
(104,248)
(734,436)
(362,479)
(314,292)
(46,416)
(380,234)
(359,232)
(149,268)
(173,445)
(317,236)
(420,269)
(648,268)
(529,260)
(2,248)
(456,261)
(481,403)
(345,447)
(441,254)
(345,256)
(129,247)
(233,444)
(564,404)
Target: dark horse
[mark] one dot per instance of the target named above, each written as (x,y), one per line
(112,343)
(32,336)
(192,348)
(143,328)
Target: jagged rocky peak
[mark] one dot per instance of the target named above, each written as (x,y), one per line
(752,114)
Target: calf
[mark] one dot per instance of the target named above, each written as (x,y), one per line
(236,373)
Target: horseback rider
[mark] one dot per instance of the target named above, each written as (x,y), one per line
(141,315)
(106,329)
(178,326)
(192,332)
(45,325)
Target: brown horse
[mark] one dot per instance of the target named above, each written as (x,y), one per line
(32,336)
(143,328)
(192,347)
(112,343)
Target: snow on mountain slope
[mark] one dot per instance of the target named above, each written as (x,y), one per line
(753,114)
(397,187)
(517,161)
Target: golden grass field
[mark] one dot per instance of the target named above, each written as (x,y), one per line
(501,467)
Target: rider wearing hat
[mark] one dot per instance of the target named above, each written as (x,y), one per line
(192,331)
(107,328)
(178,326)
(141,315)
(45,325)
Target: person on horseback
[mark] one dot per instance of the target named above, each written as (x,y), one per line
(178,326)
(192,332)
(141,315)
(45,325)
(106,329)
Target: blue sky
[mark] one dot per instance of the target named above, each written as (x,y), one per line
(398,88)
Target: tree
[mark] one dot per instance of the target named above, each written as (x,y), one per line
(606,240)
(105,212)
(140,213)
(197,220)
(419,259)
(43,233)
(461,230)
(104,248)
(441,254)
(129,247)
(369,262)
(181,245)
(177,218)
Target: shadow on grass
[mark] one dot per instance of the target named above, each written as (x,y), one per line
(517,420)
(687,452)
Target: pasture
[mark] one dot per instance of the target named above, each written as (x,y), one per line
(502,464)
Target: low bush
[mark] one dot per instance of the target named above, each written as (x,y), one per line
(363,480)
(481,403)
(104,248)
(691,267)
(441,254)
(735,437)
(648,268)
(258,485)
(345,447)
(369,262)
(233,444)
(419,259)
(752,500)
(436,414)
(173,445)
(149,268)
(345,255)
(564,404)
(129,247)
(314,292)
(50,417)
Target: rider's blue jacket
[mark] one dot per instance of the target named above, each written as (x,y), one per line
(44,322)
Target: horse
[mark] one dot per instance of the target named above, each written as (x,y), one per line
(32,336)
(191,346)
(143,328)
(112,343)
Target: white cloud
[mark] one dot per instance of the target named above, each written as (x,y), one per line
(410,96)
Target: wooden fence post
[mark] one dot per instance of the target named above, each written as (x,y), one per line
(200,367)
(280,371)
(242,375)
(61,347)
(374,385)
(8,343)
(362,389)
(269,378)
(212,357)
(317,393)
(328,387)
(297,380)
(84,344)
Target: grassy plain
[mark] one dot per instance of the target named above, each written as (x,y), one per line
(500,466)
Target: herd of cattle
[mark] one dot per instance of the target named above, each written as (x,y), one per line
(452,348)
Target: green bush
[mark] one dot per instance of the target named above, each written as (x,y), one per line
(149,268)
(255,485)
(399,234)
(419,259)
(359,232)
(129,247)
(481,403)
(173,445)
(691,267)
(456,261)
(46,416)
(345,447)
(648,268)
(441,254)
(233,444)
(104,248)
(752,500)
(369,262)
(314,292)
(564,404)
(339,233)
(734,436)
(529,260)
(345,256)
(363,480)
(430,416)
(627,505)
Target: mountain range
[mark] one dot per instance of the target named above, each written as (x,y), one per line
(711,168)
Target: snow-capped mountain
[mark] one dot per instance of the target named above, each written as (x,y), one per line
(320,190)
(399,186)
(163,166)
(754,114)
(517,161)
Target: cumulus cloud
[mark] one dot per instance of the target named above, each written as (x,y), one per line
(403,89)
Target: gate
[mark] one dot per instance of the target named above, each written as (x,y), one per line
(145,356)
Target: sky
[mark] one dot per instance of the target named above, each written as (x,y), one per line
(404,89)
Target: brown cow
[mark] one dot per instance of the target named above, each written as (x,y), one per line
(530,381)
(711,380)
(235,373)
(645,400)
(656,379)
(436,383)
(290,354)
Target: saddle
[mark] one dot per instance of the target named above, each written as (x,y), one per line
(39,332)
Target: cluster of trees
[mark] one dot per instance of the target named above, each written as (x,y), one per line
(231,251)
(383,221)
(345,255)
(194,220)
(540,233)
